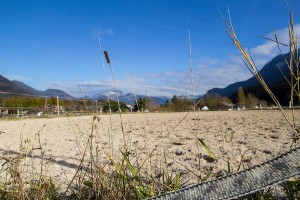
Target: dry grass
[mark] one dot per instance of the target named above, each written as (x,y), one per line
(292,63)
(128,173)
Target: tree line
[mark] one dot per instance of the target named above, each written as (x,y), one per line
(175,104)
(42,102)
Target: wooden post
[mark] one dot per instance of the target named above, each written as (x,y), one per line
(46,108)
(146,108)
(57,105)
(97,106)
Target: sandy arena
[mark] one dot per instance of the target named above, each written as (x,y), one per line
(250,136)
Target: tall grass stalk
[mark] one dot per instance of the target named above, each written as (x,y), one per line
(108,99)
(292,62)
(250,64)
(127,179)
(117,95)
(191,71)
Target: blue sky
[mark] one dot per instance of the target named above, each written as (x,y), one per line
(53,44)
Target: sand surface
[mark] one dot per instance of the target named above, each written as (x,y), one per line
(250,136)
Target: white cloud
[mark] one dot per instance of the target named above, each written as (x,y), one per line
(269,49)
(266,49)
(227,72)
(72,88)
(18,78)
(237,60)
(205,76)
(208,73)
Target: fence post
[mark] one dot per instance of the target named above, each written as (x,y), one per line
(57,105)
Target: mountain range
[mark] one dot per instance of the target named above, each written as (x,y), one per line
(127,97)
(130,97)
(270,73)
(17,87)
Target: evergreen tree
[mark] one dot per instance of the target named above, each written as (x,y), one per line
(114,106)
(141,104)
(176,103)
(168,106)
(241,101)
(181,103)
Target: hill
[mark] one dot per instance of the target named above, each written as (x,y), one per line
(17,87)
(11,87)
(55,92)
(269,72)
(27,89)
